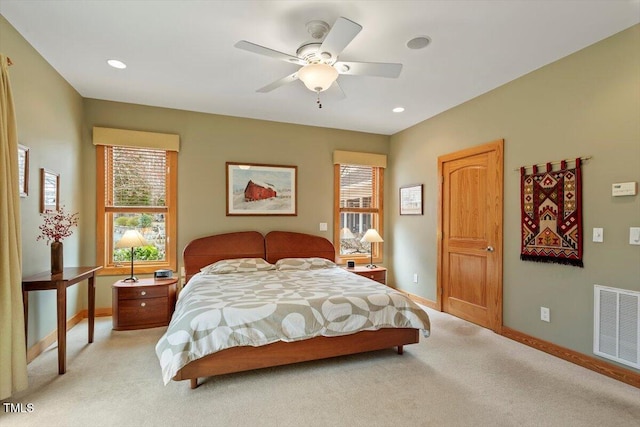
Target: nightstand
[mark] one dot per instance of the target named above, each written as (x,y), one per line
(147,303)
(379,274)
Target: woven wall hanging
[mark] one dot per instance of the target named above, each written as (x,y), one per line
(551,215)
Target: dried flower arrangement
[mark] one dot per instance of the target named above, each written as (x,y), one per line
(57,225)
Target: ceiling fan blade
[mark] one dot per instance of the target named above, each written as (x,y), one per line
(283,81)
(340,35)
(335,92)
(376,69)
(261,50)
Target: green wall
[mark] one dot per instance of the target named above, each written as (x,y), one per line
(49,114)
(587,104)
(207,141)
(56,123)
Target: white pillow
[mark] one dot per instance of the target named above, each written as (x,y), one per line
(303,264)
(237,265)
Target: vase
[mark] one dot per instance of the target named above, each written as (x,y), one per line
(57,264)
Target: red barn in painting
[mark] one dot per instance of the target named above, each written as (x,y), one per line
(258,191)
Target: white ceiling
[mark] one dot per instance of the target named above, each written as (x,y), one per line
(181,54)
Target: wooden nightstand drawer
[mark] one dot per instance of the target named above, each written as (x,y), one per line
(147,303)
(147,311)
(142,292)
(379,274)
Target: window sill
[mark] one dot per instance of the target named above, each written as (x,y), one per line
(137,269)
(359,260)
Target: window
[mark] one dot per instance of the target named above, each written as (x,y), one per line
(358,207)
(136,189)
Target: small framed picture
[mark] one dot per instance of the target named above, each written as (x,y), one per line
(254,189)
(49,190)
(411,200)
(23,170)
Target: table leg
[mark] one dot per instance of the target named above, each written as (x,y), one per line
(61,291)
(92,307)
(25,307)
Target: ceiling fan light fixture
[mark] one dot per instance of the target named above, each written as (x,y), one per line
(318,77)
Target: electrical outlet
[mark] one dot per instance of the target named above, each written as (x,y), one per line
(545,314)
(415,277)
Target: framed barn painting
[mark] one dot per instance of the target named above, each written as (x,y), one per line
(256,189)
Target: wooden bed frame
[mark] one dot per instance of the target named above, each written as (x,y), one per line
(272,247)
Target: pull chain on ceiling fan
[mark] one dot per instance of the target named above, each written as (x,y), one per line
(320,67)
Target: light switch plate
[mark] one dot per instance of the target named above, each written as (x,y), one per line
(634,235)
(323,226)
(598,235)
(545,314)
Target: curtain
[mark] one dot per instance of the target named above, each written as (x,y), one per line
(13,357)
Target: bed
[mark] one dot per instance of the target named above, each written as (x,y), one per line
(321,310)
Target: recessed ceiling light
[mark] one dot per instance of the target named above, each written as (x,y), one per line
(117,64)
(418,42)
(398,110)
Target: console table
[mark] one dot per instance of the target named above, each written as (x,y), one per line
(60,282)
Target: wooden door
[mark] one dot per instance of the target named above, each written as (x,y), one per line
(470,234)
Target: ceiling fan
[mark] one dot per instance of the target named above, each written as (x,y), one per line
(318,58)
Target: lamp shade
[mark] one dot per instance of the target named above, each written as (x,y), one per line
(371,236)
(131,239)
(318,77)
(345,233)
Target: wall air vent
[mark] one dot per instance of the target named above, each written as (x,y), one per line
(616,331)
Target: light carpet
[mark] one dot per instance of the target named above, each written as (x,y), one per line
(463,375)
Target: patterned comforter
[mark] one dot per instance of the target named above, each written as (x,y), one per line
(215,312)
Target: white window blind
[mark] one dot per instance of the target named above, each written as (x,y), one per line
(357,185)
(138,177)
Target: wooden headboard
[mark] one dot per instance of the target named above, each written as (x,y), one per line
(206,250)
(287,244)
(250,244)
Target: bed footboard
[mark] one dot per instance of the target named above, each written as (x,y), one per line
(240,359)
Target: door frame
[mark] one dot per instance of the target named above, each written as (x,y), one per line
(496,146)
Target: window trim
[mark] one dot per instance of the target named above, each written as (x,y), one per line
(378,253)
(104,245)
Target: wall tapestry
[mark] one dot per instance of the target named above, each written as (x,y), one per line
(551,214)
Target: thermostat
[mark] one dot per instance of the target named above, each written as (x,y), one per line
(624,189)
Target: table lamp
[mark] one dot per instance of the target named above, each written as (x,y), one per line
(371,236)
(345,233)
(131,239)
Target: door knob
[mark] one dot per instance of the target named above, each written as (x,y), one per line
(490,249)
